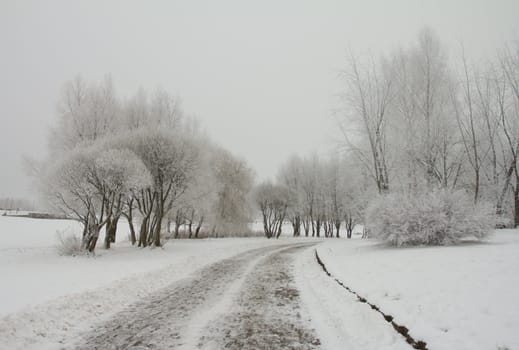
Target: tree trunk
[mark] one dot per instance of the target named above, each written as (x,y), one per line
(156,238)
(365,232)
(318,227)
(111,231)
(85,230)
(133,238)
(307,228)
(108,229)
(177,229)
(501,199)
(279,229)
(143,234)
(516,203)
(113,234)
(296,225)
(199,225)
(326,233)
(93,236)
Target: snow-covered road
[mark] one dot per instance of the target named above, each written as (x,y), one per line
(244,302)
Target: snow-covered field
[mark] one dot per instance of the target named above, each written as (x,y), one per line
(462,297)
(46,297)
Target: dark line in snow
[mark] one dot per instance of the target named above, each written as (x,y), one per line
(402,330)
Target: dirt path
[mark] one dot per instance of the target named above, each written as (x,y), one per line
(244,302)
(267,312)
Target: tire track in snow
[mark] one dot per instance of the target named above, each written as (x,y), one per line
(402,330)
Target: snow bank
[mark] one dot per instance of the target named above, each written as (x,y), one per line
(462,297)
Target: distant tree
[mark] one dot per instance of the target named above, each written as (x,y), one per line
(290,176)
(335,191)
(234,181)
(310,168)
(193,209)
(272,201)
(8,203)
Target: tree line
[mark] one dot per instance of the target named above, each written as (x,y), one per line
(416,124)
(422,133)
(144,160)
(418,121)
(316,196)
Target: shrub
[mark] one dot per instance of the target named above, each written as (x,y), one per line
(432,218)
(69,244)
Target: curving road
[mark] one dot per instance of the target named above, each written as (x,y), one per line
(248,301)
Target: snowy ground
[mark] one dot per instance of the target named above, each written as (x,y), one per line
(46,298)
(238,293)
(461,297)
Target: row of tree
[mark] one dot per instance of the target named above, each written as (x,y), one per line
(416,120)
(8,203)
(143,160)
(413,122)
(317,196)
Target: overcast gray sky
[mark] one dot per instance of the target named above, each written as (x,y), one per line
(261,76)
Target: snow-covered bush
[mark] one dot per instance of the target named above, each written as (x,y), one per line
(69,244)
(432,218)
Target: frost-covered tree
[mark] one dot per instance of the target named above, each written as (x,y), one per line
(161,110)
(445,126)
(234,181)
(324,194)
(117,175)
(272,200)
(509,113)
(290,176)
(88,184)
(357,194)
(170,159)
(430,83)
(335,194)
(188,177)
(86,113)
(194,207)
(369,91)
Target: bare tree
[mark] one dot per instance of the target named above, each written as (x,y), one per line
(88,183)
(509,111)
(86,113)
(170,159)
(272,201)
(335,191)
(369,93)
(467,117)
(234,181)
(290,176)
